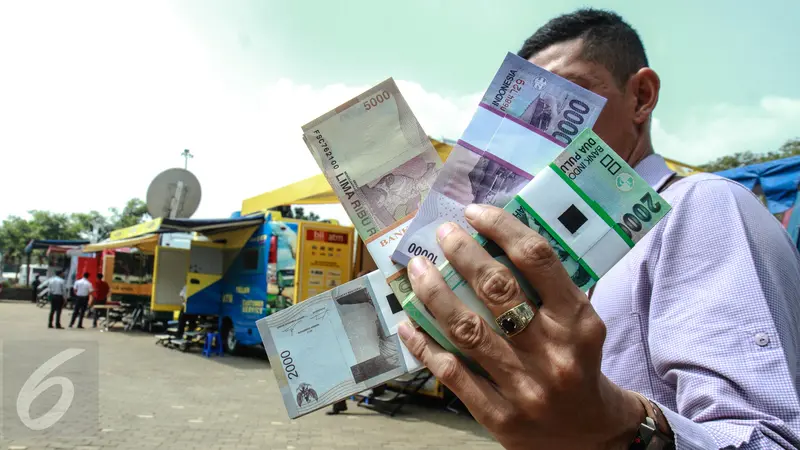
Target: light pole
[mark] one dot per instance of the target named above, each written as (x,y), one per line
(186,155)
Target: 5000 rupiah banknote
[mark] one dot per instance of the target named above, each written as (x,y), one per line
(336,344)
(589,204)
(381,165)
(525,119)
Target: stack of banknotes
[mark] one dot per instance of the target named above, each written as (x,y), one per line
(336,344)
(529,148)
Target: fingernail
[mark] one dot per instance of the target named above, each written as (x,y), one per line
(473,211)
(444,230)
(418,266)
(405,330)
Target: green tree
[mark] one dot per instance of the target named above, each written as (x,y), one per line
(741,159)
(286,211)
(134,212)
(90,225)
(16,232)
(49,225)
(298,213)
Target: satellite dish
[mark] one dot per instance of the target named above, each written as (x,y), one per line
(173,194)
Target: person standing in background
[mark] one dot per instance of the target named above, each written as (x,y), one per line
(99,296)
(57,291)
(35,285)
(183,317)
(83,288)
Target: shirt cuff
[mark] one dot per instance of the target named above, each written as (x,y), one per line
(689,435)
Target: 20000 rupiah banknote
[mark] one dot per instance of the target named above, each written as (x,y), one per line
(335,344)
(525,119)
(589,204)
(381,165)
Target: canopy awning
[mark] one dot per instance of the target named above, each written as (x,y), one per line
(778,179)
(680,168)
(146,243)
(311,191)
(35,244)
(204,226)
(69,250)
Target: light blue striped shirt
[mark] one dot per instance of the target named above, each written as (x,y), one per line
(55,286)
(703,316)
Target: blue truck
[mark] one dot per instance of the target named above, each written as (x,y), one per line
(235,274)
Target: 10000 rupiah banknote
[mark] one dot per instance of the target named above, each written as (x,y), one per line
(525,119)
(336,344)
(381,165)
(591,207)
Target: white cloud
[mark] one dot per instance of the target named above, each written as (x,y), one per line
(103,97)
(725,129)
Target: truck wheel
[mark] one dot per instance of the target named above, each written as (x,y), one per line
(229,342)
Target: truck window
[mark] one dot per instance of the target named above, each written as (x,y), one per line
(250,258)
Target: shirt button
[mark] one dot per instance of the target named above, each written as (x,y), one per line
(762,340)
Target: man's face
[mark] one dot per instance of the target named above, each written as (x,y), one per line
(615,124)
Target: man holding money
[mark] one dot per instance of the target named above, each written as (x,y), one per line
(690,342)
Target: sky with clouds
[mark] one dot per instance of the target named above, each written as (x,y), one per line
(98,97)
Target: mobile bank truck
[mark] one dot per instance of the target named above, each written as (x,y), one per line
(237,270)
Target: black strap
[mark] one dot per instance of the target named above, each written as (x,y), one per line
(674,178)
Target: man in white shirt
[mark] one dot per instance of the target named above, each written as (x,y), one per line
(183,318)
(83,288)
(56,289)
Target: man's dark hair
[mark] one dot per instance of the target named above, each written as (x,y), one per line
(59,273)
(99,276)
(86,275)
(607,40)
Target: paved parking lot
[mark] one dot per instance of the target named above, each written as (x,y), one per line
(153,397)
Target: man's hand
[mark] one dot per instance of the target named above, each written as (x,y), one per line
(547,390)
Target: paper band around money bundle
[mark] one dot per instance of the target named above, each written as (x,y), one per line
(513,321)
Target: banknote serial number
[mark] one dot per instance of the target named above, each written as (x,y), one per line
(567,128)
(512,91)
(376,99)
(326,149)
(632,222)
(416,250)
(288,366)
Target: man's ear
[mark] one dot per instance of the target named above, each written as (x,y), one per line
(644,86)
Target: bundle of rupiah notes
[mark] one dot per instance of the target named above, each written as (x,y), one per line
(529,148)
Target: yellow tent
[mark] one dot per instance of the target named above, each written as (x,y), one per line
(681,169)
(316,190)
(146,243)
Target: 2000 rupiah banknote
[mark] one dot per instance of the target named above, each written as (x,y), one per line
(381,165)
(336,344)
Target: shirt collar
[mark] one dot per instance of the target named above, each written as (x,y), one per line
(654,170)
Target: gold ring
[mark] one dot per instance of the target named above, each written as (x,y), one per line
(513,321)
